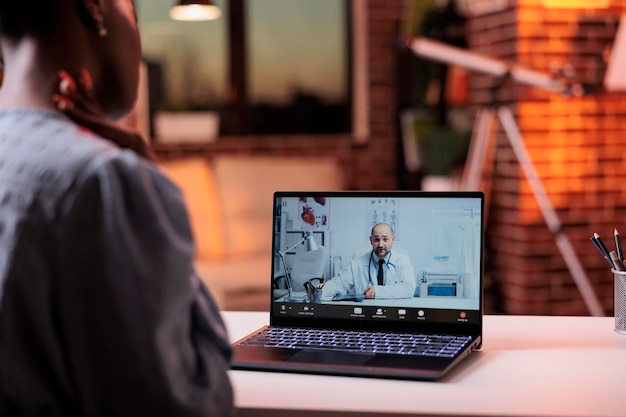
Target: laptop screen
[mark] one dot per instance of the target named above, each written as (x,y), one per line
(378,256)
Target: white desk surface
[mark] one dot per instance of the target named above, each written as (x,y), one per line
(528,366)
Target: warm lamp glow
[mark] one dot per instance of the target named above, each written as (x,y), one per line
(575,4)
(195,11)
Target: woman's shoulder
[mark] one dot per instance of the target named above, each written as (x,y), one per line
(56,156)
(47,139)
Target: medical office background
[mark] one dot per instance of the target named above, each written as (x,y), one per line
(440,237)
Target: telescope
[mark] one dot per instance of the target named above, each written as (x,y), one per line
(483,126)
(447,54)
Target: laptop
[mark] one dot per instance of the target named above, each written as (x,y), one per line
(426,314)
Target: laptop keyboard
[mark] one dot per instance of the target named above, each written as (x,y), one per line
(359,341)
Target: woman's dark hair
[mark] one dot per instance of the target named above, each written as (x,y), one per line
(21,17)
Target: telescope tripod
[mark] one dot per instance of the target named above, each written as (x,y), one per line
(482,150)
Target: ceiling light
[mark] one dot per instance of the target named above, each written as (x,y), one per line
(195,10)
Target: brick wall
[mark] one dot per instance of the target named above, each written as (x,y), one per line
(371,165)
(577,146)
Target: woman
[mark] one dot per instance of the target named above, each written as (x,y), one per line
(101,312)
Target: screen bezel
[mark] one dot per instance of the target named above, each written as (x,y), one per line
(473,328)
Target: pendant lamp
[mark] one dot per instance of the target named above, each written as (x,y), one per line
(195,10)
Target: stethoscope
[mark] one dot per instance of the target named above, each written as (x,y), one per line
(369,267)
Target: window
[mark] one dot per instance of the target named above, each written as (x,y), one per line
(186,60)
(267,66)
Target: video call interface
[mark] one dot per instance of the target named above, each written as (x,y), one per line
(326,262)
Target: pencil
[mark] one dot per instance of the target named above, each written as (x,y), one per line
(605,255)
(618,245)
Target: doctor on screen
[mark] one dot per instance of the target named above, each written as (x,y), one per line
(380,273)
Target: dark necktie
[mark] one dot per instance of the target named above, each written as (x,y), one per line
(381,278)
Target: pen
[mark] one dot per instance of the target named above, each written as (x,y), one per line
(604,254)
(618,245)
(619,266)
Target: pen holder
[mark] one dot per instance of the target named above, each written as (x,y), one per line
(620,301)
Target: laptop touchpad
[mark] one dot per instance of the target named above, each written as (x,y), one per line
(330,357)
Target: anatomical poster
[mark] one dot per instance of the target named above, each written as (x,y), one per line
(383,210)
(313,213)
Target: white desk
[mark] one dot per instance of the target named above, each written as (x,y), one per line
(528,366)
